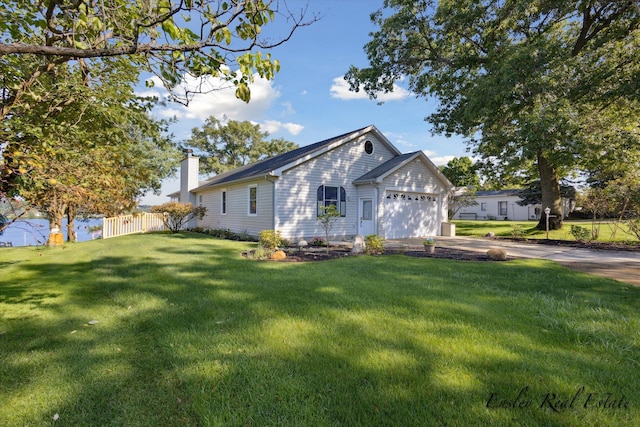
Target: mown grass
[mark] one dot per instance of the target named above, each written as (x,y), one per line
(607,230)
(190,333)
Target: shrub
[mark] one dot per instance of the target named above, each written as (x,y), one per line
(270,239)
(517,232)
(178,214)
(374,244)
(580,233)
(246,237)
(259,253)
(327,218)
(634,227)
(317,241)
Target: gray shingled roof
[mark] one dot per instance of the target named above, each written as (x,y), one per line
(510,192)
(264,167)
(384,168)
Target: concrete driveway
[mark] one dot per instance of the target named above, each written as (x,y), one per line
(617,265)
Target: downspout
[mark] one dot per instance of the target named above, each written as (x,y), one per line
(374,184)
(441,213)
(273,202)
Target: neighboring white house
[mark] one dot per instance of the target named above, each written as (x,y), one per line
(503,205)
(377,190)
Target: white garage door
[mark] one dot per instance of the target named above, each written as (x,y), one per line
(410,215)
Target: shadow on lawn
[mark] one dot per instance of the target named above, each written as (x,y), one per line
(216,339)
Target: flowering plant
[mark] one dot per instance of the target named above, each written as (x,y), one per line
(429,241)
(317,241)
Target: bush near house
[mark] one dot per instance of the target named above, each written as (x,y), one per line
(270,239)
(374,244)
(178,214)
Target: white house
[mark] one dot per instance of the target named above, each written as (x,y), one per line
(377,190)
(503,205)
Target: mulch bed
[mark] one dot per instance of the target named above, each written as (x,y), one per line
(336,253)
(310,255)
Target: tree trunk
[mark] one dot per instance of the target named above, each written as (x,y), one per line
(551,198)
(56,214)
(71,230)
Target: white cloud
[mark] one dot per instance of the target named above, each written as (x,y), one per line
(169,113)
(293,128)
(218,99)
(288,108)
(150,93)
(340,90)
(273,126)
(439,160)
(400,140)
(212,96)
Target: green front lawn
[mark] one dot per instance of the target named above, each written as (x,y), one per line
(505,229)
(190,333)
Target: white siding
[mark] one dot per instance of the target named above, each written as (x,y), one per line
(515,212)
(237,218)
(414,177)
(296,189)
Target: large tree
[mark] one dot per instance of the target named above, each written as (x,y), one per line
(169,38)
(461,172)
(228,145)
(522,80)
(463,175)
(88,146)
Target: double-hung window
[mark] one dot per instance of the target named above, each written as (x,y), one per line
(502,208)
(329,195)
(223,202)
(253,200)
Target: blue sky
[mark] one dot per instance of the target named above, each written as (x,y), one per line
(309,101)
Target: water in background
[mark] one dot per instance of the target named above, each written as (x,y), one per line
(34,232)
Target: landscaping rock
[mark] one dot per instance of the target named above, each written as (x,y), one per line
(490,234)
(359,245)
(497,254)
(278,255)
(302,244)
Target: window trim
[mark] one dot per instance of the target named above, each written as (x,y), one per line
(224,200)
(483,206)
(340,201)
(251,187)
(365,147)
(506,208)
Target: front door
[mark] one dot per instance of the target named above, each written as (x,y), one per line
(365,213)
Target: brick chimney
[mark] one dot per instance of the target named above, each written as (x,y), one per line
(189,171)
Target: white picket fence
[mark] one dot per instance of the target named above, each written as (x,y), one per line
(130,224)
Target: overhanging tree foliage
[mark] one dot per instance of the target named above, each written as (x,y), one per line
(532,194)
(522,80)
(226,146)
(461,172)
(169,38)
(89,146)
(464,176)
